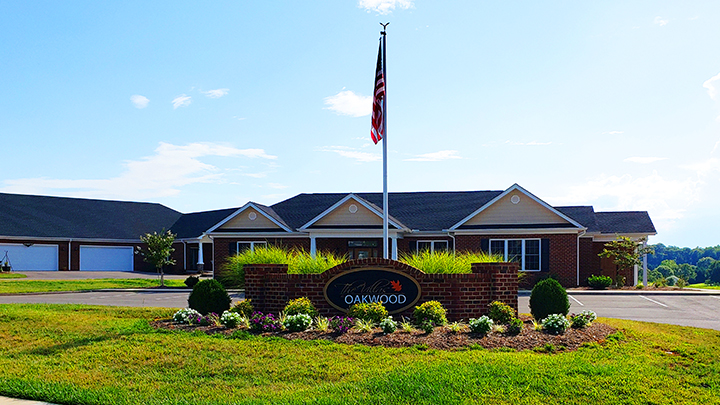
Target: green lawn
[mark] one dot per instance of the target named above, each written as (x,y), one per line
(27,286)
(11,275)
(703,285)
(72,354)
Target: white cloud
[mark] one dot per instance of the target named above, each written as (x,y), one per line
(711,86)
(159,175)
(217,93)
(660,21)
(384,6)
(181,101)
(139,101)
(348,103)
(352,153)
(435,156)
(644,160)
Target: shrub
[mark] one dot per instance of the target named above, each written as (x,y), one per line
(585,318)
(388,325)
(209,319)
(556,324)
(599,282)
(322,324)
(260,322)
(191,281)
(514,326)
(301,305)
(660,282)
(430,311)
(230,320)
(374,312)
(456,327)
(548,297)
(244,308)
(209,296)
(427,326)
(501,312)
(681,283)
(447,262)
(363,325)
(341,324)
(187,316)
(407,327)
(481,325)
(297,322)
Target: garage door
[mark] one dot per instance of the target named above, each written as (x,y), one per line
(106,258)
(33,257)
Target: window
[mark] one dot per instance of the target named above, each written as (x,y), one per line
(432,245)
(524,251)
(243,246)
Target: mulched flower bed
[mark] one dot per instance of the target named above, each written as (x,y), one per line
(441,338)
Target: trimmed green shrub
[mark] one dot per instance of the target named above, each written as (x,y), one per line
(481,325)
(599,282)
(373,312)
(548,297)
(191,281)
(244,308)
(297,322)
(501,312)
(514,326)
(556,324)
(430,311)
(301,305)
(427,326)
(209,296)
(388,325)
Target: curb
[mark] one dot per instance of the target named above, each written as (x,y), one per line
(688,292)
(168,290)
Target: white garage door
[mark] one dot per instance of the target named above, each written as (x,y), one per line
(33,257)
(106,258)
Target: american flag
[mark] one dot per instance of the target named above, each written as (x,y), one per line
(378,127)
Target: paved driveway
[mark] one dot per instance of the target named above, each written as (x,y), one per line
(700,310)
(123,298)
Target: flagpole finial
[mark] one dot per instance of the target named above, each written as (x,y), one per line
(384,28)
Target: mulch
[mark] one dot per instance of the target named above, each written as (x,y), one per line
(441,338)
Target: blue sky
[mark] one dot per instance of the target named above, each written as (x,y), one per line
(614,104)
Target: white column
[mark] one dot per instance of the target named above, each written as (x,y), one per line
(200,253)
(313,246)
(394,248)
(645,266)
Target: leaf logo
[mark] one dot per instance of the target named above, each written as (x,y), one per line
(396,285)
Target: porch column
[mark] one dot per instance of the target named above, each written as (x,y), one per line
(200,263)
(645,265)
(313,246)
(394,248)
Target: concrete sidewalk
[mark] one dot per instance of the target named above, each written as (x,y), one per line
(84,275)
(684,291)
(14,401)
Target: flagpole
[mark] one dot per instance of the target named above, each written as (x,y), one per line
(385,188)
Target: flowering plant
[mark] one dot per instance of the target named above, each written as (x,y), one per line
(481,325)
(388,325)
(260,322)
(556,324)
(230,319)
(585,318)
(297,322)
(341,324)
(187,315)
(209,319)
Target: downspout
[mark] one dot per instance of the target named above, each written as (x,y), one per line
(212,261)
(69,267)
(577,255)
(453,239)
(185,256)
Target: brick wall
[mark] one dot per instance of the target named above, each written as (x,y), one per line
(464,296)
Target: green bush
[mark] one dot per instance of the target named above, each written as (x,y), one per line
(514,326)
(209,296)
(501,313)
(388,325)
(297,322)
(191,281)
(599,282)
(481,325)
(447,262)
(301,305)
(432,311)
(244,308)
(556,324)
(548,297)
(373,312)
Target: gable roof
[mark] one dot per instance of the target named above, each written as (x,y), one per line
(365,203)
(268,212)
(63,217)
(625,222)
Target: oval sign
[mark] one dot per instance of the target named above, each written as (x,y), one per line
(396,290)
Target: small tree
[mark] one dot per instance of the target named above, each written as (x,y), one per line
(159,249)
(625,253)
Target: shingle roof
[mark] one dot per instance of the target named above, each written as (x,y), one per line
(624,222)
(194,224)
(61,217)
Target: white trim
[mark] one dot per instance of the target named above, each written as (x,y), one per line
(343,200)
(432,244)
(516,231)
(55,239)
(522,251)
(243,208)
(235,235)
(606,237)
(251,242)
(516,187)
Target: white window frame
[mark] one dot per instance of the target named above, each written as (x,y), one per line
(522,255)
(432,244)
(252,244)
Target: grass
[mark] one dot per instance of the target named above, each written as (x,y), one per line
(76,354)
(447,262)
(11,275)
(33,286)
(703,285)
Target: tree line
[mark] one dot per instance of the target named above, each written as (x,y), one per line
(696,265)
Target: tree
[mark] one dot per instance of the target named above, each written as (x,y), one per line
(686,272)
(714,273)
(158,251)
(703,268)
(625,253)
